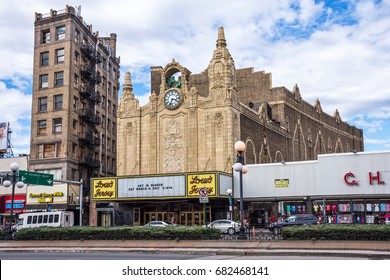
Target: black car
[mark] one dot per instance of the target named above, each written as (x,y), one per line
(294,220)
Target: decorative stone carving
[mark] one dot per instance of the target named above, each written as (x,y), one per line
(173,147)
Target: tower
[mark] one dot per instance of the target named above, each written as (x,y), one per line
(75,98)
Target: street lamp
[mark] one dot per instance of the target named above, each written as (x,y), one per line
(230,192)
(239,166)
(48,206)
(7,183)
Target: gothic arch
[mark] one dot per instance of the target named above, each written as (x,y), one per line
(250,152)
(319,147)
(298,142)
(338,146)
(265,153)
(279,156)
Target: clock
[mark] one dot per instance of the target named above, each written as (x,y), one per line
(172,99)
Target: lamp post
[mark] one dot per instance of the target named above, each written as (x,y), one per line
(230,192)
(48,206)
(239,166)
(7,183)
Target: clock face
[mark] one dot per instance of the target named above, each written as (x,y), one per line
(172,99)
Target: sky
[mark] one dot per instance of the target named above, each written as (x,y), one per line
(336,51)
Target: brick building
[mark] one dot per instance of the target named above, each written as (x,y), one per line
(216,108)
(75,98)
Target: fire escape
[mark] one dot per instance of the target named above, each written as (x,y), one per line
(88,137)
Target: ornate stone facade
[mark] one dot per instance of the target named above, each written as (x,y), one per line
(216,108)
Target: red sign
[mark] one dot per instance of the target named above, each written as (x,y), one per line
(349,178)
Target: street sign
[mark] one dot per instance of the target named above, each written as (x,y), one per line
(36,178)
(204,199)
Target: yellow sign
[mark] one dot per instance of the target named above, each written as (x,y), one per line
(45,199)
(104,188)
(201,181)
(281,183)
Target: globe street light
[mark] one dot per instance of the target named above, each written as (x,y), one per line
(7,183)
(239,166)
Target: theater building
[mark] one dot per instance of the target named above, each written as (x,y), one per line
(192,121)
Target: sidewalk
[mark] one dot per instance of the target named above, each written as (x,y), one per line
(370,249)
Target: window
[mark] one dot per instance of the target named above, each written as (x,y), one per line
(109,106)
(109,88)
(57,102)
(76,58)
(74,148)
(103,121)
(42,104)
(77,36)
(113,146)
(74,125)
(76,80)
(60,53)
(60,33)
(114,110)
(57,125)
(108,125)
(40,218)
(51,218)
(41,127)
(113,128)
(45,37)
(45,219)
(44,58)
(75,102)
(59,78)
(49,150)
(114,92)
(44,81)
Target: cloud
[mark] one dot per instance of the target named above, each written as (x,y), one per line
(337,51)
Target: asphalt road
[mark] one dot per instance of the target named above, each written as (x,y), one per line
(152,256)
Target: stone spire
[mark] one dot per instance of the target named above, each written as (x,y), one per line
(127,86)
(221,41)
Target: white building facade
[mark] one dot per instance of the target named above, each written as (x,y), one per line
(339,188)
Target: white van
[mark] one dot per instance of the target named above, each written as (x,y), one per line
(48,219)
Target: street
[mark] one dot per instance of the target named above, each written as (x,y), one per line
(152,256)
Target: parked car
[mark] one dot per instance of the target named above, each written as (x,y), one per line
(225,226)
(294,220)
(157,224)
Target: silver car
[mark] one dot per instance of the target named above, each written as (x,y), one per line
(157,224)
(225,226)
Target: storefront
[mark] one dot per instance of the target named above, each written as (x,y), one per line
(5,207)
(175,198)
(339,188)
